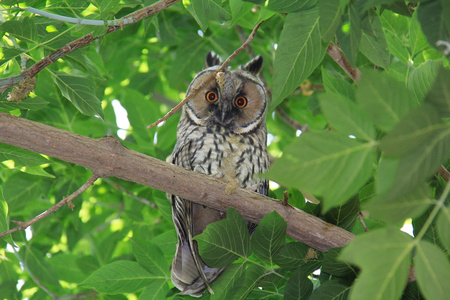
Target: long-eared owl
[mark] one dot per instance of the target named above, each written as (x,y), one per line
(222,132)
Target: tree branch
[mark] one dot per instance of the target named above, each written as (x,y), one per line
(65,201)
(107,157)
(339,57)
(83,41)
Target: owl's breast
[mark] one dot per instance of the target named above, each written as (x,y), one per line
(230,157)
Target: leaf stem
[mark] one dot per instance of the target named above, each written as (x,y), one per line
(434,212)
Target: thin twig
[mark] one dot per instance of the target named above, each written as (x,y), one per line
(65,201)
(339,57)
(360,218)
(70,19)
(220,69)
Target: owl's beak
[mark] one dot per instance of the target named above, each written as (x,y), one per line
(224,117)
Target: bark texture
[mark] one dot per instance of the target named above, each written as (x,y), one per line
(107,157)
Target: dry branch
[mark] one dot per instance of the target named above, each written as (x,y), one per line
(106,157)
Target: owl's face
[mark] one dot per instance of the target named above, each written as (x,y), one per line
(234,99)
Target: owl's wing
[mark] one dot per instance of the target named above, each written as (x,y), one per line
(187,264)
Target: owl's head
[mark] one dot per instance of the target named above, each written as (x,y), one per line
(234,99)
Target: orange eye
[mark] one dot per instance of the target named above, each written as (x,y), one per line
(211,96)
(240,102)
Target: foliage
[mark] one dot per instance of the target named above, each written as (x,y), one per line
(374,146)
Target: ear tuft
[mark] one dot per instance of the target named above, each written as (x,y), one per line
(212,59)
(254,66)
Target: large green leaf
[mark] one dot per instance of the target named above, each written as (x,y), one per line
(150,257)
(299,52)
(439,94)
(22,158)
(269,236)
(443,224)
(393,210)
(420,127)
(422,78)
(384,257)
(204,11)
(331,290)
(79,90)
(331,12)
(325,163)
(433,17)
(36,262)
(157,289)
(335,267)
(373,42)
(395,28)
(346,117)
(337,85)
(23,29)
(224,241)
(28,103)
(292,255)
(286,6)
(253,275)
(384,99)
(119,277)
(227,282)
(298,286)
(432,271)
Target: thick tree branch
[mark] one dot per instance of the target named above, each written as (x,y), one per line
(107,157)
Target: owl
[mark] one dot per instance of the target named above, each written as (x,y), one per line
(222,133)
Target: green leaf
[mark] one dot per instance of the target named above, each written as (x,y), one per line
(325,163)
(394,28)
(337,85)
(392,210)
(79,90)
(373,42)
(384,99)
(204,11)
(119,277)
(22,158)
(331,290)
(433,17)
(443,224)
(292,255)
(331,265)
(349,42)
(422,78)
(157,289)
(346,117)
(286,6)
(66,267)
(420,127)
(417,40)
(439,94)
(432,271)
(28,103)
(253,275)
(384,258)
(331,12)
(344,215)
(224,241)
(299,52)
(298,286)
(150,257)
(36,262)
(269,236)
(20,190)
(227,282)
(23,29)
(4,222)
